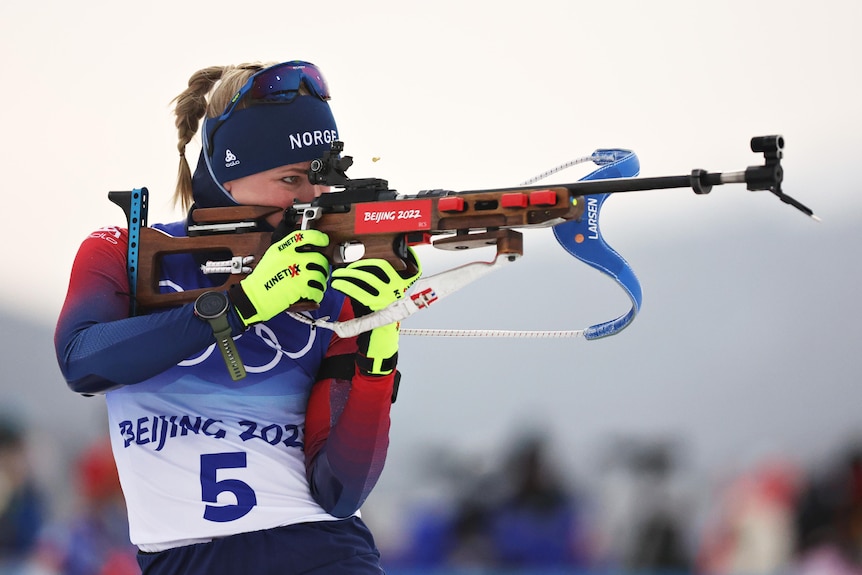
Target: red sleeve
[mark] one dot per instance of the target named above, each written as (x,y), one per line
(347,431)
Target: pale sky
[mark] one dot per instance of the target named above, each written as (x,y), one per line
(453,94)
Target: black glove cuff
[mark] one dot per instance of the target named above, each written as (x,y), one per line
(359,309)
(363,340)
(342,366)
(366,364)
(241,302)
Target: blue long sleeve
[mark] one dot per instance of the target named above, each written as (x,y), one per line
(98,346)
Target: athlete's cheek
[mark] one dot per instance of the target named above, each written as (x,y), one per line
(306,193)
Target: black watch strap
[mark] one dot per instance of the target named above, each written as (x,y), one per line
(227,347)
(213,307)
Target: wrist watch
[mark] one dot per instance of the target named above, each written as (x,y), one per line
(212,306)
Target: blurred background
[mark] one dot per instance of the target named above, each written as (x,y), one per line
(720,433)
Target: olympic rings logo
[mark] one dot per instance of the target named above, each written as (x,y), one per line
(260,330)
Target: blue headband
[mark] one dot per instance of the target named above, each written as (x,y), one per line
(264,137)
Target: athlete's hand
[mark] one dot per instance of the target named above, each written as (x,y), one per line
(372,285)
(290,271)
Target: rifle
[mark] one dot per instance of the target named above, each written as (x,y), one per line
(367,214)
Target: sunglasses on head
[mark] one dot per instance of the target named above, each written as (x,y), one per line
(277,84)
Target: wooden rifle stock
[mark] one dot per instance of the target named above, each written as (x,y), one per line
(462,220)
(232,241)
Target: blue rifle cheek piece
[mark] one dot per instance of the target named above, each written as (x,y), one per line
(593,250)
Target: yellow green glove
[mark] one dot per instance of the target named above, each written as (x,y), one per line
(372,285)
(290,271)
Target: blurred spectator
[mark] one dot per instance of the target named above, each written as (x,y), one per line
(645,513)
(829,519)
(95,539)
(536,522)
(752,532)
(520,515)
(22,506)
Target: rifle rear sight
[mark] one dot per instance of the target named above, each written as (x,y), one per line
(771,146)
(330,170)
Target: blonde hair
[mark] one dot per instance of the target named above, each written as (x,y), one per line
(220,83)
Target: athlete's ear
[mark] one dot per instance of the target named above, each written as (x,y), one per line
(227,185)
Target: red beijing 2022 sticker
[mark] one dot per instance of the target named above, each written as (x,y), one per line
(395,216)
